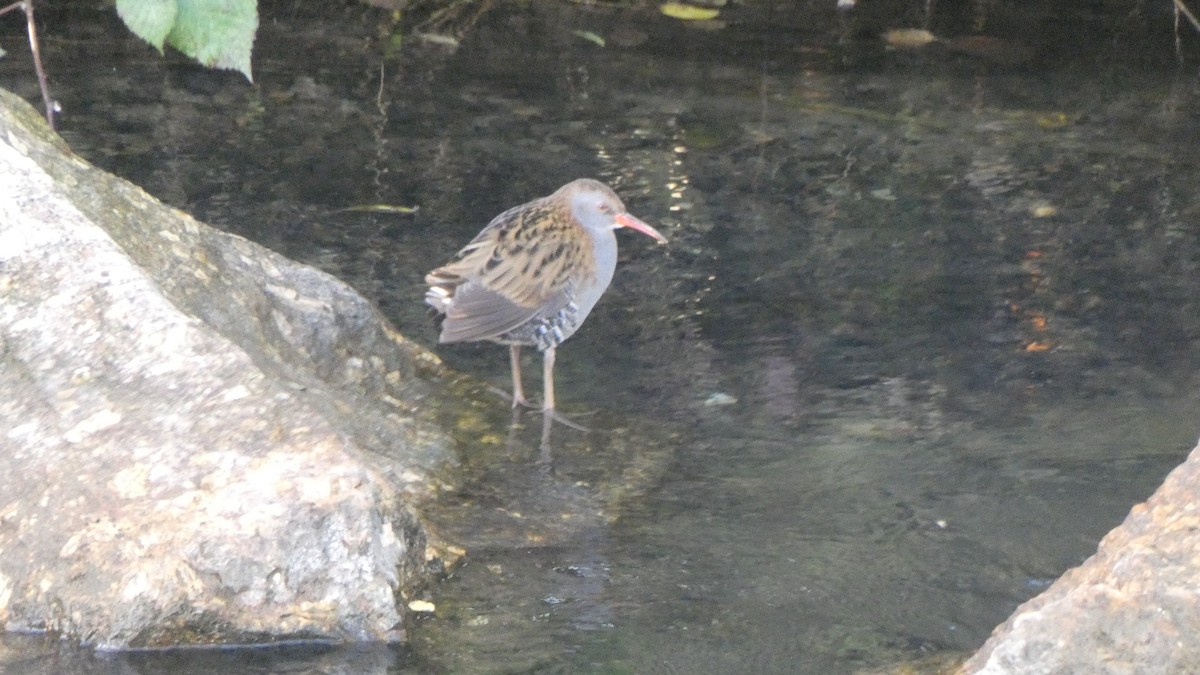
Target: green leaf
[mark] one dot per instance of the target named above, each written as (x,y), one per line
(217,33)
(685,12)
(150,20)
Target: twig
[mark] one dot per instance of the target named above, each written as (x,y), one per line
(1182,9)
(27,7)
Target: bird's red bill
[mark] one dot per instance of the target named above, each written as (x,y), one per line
(626,220)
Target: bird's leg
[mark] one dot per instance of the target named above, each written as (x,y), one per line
(548,381)
(514,352)
(548,392)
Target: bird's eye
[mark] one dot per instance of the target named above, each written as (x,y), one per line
(605,207)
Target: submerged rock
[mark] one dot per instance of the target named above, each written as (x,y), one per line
(202,441)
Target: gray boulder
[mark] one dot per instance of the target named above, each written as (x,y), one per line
(1130,608)
(200,441)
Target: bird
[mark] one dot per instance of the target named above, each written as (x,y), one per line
(532,275)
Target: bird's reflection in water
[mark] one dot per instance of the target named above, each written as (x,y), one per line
(548,417)
(545,454)
(545,446)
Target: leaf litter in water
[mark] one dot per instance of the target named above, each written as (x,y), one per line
(686,12)
(908,38)
(437,39)
(380,208)
(589,36)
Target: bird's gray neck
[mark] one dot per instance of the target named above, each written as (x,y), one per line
(605,247)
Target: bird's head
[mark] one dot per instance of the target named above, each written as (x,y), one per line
(596,207)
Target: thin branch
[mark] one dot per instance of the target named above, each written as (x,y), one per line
(1182,8)
(27,7)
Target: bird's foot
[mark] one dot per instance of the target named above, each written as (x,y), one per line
(551,413)
(517,401)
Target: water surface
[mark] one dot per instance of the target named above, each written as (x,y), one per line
(925,331)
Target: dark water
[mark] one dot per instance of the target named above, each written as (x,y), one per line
(926,329)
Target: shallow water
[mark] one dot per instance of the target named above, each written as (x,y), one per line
(925,330)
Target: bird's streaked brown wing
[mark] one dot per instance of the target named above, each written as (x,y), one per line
(522,264)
